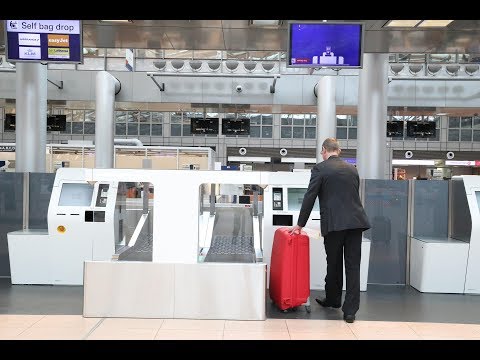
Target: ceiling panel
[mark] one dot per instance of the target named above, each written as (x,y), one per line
(232,35)
(113,36)
(160,23)
(255,39)
(195,38)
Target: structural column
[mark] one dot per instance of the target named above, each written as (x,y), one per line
(372,117)
(105,89)
(326,111)
(31,117)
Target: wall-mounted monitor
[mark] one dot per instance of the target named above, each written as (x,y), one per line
(239,126)
(395,128)
(200,126)
(55,41)
(56,122)
(9,122)
(325,44)
(421,129)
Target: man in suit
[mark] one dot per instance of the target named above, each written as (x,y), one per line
(342,220)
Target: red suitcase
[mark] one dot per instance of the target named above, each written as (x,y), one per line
(290,270)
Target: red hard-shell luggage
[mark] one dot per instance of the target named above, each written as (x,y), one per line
(290,269)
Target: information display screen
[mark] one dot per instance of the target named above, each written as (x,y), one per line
(76,194)
(57,41)
(325,44)
(295,199)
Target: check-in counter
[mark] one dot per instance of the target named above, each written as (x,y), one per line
(447,261)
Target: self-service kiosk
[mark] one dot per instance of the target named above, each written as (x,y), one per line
(282,202)
(449,264)
(82,225)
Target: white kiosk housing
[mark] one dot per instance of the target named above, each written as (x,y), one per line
(81,222)
(283,200)
(189,273)
(450,264)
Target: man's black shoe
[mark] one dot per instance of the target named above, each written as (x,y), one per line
(324,303)
(349,318)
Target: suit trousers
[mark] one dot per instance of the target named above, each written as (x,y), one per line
(340,244)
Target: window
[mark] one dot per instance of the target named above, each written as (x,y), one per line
(261,125)
(78,117)
(89,125)
(346,127)
(298,126)
(180,122)
(464,128)
(120,123)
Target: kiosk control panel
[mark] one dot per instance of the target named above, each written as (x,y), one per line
(277,198)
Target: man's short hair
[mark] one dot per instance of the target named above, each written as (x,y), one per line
(331,145)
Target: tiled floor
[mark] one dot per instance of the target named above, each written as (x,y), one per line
(76,327)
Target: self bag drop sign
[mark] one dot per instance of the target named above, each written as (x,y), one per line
(58,41)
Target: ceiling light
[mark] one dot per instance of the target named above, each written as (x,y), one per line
(434,23)
(265,22)
(402,23)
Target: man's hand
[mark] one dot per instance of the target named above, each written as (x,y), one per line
(296,230)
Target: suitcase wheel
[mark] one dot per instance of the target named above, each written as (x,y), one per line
(308,308)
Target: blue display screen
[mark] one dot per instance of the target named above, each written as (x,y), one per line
(58,41)
(326,44)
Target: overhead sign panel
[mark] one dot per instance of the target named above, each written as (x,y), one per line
(57,41)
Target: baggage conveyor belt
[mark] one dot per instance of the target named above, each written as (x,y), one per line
(141,251)
(232,236)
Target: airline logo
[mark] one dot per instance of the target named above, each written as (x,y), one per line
(59,53)
(29,39)
(29,52)
(58,40)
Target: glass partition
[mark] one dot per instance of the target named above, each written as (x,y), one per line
(386,205)
(40,191)
(461,220)
(11,213)
(430,209)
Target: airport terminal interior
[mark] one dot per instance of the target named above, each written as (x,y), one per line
(145,166)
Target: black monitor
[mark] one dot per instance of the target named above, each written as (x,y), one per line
(325,44)
(9,123)
(395,128)
(421,129)
(199,126)
(239,126)
(56,122)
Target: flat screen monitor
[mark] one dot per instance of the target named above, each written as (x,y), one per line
(76,194)
(9,122)
(325,44)
(239,126)
(424,129)
(46,41)
(200,126)
(395,128)
(56,122)
(244,199)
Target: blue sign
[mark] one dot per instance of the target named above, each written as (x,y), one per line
(56,41)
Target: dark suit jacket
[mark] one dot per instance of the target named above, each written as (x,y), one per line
(336,183)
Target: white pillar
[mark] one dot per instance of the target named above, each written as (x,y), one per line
(372,117)
(105,88)
(326,111)
(31,117)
